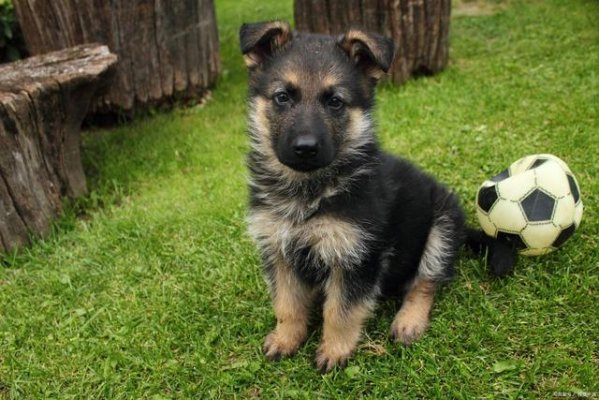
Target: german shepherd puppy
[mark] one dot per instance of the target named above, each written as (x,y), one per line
(336,218)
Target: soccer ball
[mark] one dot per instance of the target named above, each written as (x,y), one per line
(534,204)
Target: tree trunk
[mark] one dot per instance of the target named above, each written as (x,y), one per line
(420,28)
(168,49)
(43,101)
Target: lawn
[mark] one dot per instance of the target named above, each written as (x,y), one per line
(151,288)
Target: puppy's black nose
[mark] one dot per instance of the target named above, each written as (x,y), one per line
(305,146)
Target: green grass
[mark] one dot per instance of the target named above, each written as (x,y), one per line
(150,288)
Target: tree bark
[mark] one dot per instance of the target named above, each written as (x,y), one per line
(420,28)
(43,101)
(168,49)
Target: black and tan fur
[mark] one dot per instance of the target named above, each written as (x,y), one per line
(335,218)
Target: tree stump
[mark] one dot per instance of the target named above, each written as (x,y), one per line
(168,49)
(43,101)
(420,28)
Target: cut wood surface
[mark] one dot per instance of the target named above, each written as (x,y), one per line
(43,101)
(168,49)
(420,28)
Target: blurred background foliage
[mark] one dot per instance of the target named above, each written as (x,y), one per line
(12,46)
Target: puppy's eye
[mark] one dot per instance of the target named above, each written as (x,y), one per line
(282,98)
(335,103)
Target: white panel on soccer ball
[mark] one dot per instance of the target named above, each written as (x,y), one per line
(565,212)
(486,224)
(578,214)
(552,179)
(522,164)
(540,236)
(516,186)
(507,216)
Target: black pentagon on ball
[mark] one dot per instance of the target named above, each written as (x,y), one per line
(538,161)
(501,176)
(574,188)
(513,239)
(564,235)
(487,197)
(538,206)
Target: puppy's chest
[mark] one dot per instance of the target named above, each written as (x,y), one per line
(322,240)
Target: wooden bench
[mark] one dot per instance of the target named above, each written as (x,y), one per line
(43,101)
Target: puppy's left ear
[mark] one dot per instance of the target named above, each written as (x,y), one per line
(371,52)
(259,41)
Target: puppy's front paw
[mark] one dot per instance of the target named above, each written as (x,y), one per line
(407,328)
(279,344)
(329,357)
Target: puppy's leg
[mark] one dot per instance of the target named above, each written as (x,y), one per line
(291,302)
(342,326)
(413,318)
(435,266)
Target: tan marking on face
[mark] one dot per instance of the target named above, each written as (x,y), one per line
(358,133)
(310,84)
(342,326)
(250,60)
(291,77)
(259,125)
(413,318)
(291,303)
(376,73)
(359,125)
(329,80)
(261,140)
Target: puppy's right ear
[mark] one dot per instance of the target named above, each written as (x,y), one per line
(370,52)
(261,40)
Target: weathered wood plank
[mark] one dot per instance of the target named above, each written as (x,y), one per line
(43,101)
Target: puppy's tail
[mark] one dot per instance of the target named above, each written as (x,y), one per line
(501,256)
